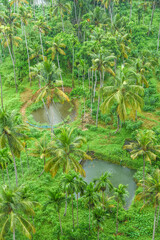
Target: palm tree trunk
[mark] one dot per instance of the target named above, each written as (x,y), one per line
(14,234)
(13,64)
(117,218)
(27,54)
(98,234)
(158,216)
(41,43)
(62,21)
(60,222)
(95,84)
(154,226)
(153,9)
(45,108)
(1,92)
(158,39)
(21,166)
(65,212)
(143,175)
(77,209)
(73,85)
(2,176)
(89,217)
(8,176)
(27,156)
(99,99)
(92,94)
(75,10)
(15,167)
(130,16)
(72,212)
(60,72)
(118,123)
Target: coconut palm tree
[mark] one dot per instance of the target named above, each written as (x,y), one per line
(120,194)
(7,32)
(80,189)
(11,134)
(103,183)
(42,149)
(99,217)
(91,199)
(126,95)
(151,194)
(42,28)
(5,159)
(144,146)
(24,16)
(59,7)
(69,186)
(67,152)
(14,208)
(56,49)
(56,198)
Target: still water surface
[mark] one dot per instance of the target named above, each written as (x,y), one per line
(119,174)
(58,112)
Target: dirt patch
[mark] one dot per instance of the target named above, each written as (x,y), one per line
(151,120)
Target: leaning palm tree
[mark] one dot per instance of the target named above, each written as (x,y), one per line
(144,146)
(120,194)
(14,208)
(67,152)
(11,134)
(103,183)
(151,194)
(126,95)
(42,149)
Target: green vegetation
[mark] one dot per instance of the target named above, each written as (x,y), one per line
(104,55)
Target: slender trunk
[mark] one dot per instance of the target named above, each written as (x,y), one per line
(130,16)
(65,212)
(41,43)
(77,209)
(158,217)
(8,176)
(143,175)
(21,166)
(15,167)
(14,234)
(72,211)
(75,10)
(118,123)
(13,65)
(98,234)
(73,85)
(27,54)
(2,176)
(154,226)
(158,39)
(60,71)
(60,222)
(62,21)
(27,156)
(1,92)
(153,9)
(92,93)
(99,99)
(117,218)
(89,217)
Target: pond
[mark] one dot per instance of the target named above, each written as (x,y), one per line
(58,112)
(119,174)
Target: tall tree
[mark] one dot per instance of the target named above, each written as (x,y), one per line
(67,152)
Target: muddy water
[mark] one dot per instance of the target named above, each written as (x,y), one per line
(119,174)
(58,112)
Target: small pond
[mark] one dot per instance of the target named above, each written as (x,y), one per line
(119,174)
(58,112)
